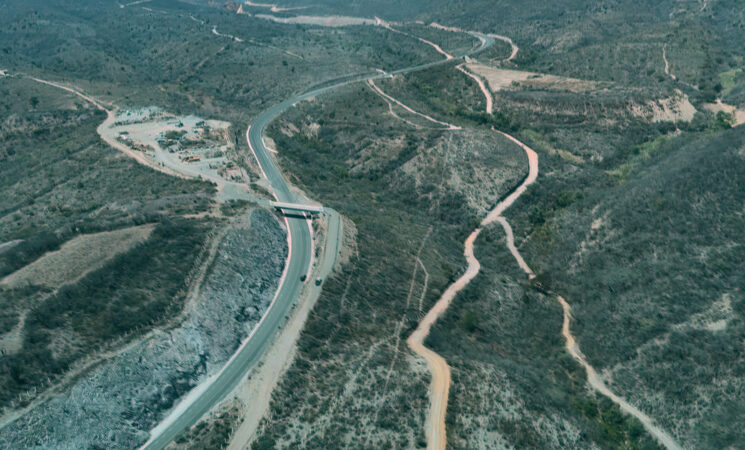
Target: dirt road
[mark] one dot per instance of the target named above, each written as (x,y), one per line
(593,379)
(482,86)
(532,175)
(597,383)
(435,429)
(440,386)
(106,124)
(667,64)
(438,49)
(514,47)
(229,36)
(95,102)
(275,8)
(435,426)
(446,126)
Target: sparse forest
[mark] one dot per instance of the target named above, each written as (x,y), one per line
(636,112)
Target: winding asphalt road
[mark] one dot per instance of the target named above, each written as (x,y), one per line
(298,263)
(248,355)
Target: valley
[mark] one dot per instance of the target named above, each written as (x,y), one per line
(323,224)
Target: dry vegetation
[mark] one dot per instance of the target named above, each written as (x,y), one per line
(636,219)
(353,383)
(77,257)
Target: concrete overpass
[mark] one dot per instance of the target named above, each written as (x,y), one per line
(298,207)
(245,359)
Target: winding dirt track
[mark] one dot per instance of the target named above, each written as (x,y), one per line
(382,23)
(667,64)
(435,426)
(597,383)
(106,124)
(229,36)
(482,86)
(95,102)
(514,47)
(435,429)
(446,126)
(593,379)
(440,385)
(275,8)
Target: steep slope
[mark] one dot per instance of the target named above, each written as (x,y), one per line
(654,271)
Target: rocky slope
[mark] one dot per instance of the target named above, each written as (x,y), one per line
(117,403)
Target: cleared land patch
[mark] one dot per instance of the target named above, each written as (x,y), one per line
(77,257)
(323,21)
(737,114)
(188,146)
(676,108)
(499,79)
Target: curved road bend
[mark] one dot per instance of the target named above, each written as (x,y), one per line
(221,385)
(435,429)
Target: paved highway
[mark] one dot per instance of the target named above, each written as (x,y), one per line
(248,355)
(253,348)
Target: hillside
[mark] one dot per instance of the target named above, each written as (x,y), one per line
(548,196)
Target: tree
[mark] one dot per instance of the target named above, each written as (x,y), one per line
(470,321)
